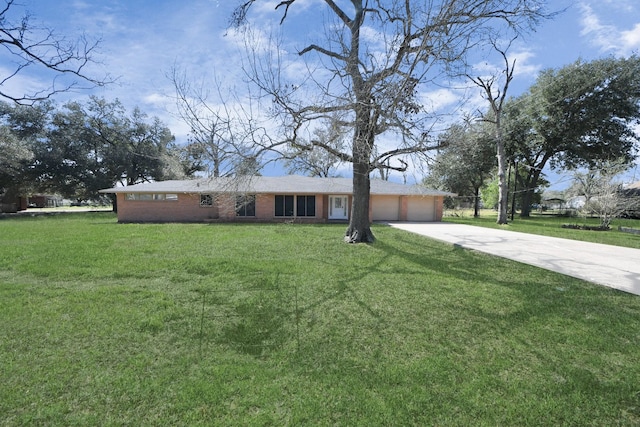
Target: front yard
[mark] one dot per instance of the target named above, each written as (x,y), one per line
(283,324)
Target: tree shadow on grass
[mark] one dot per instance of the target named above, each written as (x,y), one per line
(487,325)
(255,318)
(258,324)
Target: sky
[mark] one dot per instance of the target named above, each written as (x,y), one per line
(142,40)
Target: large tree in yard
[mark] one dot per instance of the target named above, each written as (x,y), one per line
(369,67)
(91,146)
(465,161)
(20,128)
(495,92)
(578,116)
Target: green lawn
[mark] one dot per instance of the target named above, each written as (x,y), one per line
(551,225)
(193,324)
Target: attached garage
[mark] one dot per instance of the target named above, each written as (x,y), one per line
(421,209)
(385,208)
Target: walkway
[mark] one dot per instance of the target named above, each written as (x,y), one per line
(607,265)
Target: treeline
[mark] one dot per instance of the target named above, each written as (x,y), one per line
(76,149)
(585,115)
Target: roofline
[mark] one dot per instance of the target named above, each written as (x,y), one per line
(340,186)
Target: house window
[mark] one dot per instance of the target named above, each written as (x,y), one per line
(150,196)
(306,206)
(206,200)
(298,205)
(284,206)
(246,205)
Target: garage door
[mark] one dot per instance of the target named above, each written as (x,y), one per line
(385,208)
(421,209)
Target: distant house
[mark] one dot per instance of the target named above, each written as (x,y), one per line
(632,193)
(44,201)
(259,198)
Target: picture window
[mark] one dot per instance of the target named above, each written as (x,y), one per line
(246,205)
(299,206)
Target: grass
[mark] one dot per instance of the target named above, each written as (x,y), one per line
(193,324)
(551,225)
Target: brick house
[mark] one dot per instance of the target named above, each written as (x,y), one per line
(273,199)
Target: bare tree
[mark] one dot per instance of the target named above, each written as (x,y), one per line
(31,47)
(604,195)
(310,159)
(496,97)
(374,80)
(218,133)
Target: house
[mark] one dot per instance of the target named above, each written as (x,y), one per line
(260,198)
(631,195)
(44,201)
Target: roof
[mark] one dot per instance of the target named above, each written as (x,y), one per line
(290,184)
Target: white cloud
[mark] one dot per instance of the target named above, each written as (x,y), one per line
(606,37)
(439,99)
(631,38)
(523,67)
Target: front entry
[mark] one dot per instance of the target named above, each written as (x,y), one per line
(338,207)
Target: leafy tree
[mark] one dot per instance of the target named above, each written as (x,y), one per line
(373,82)
(78,149)
(30,46)
(464,163)
(63,159)
(579,115)
(13,156)
(96,145)
(490,193)
(20,128)
(490,190)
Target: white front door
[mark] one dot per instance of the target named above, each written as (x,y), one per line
(338,207)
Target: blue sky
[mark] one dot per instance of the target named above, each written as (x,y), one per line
(143,39)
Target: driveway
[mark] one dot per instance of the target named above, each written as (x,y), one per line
(612,266)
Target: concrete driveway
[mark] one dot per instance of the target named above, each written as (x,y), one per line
(612,266)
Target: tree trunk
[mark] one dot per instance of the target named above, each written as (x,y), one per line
(529,186)
(503,187)
(527,196)
(359,230)
(476,203)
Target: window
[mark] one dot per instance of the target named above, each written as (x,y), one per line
(151,196)
(304,205)
(246,205)
(206,200)
(284,206)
